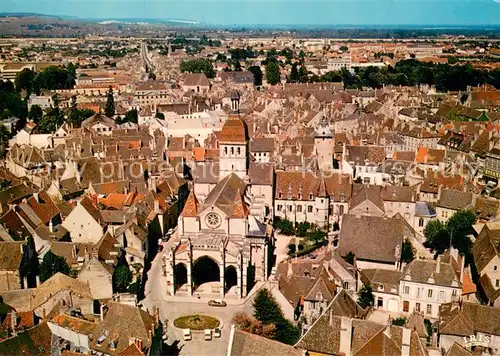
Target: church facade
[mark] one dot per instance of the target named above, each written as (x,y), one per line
(219,247)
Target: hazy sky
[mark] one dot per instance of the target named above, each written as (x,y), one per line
(321,12)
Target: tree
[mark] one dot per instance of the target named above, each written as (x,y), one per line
(286,227)
(131,116)
(268,312)
(24,80)
(291,249)
(4,140)
(436,236)
(302,229)
(407,252)
(249,324)
(77,116)
(344,48)
(303,75)
(51,265)
(349,258)
(294,74)
(273,74)
(266,309)
(110,103)
(366,298)
(401,321)
(257,75)
(200,65)
(316,236)
(51,121)
(29,267)
(122,277)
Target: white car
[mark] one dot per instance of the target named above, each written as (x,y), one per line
(208,334)
(186,334)
(217,332)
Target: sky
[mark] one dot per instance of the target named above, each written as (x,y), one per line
(276,12)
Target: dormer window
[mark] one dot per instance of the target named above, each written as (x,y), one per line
(280,195)
(380,287)
(310,196)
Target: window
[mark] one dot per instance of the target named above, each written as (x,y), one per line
(299,208)
(407,290)
(279,207)
(238,150)
(494,268)
(280,195)
(310,197)
(310,209)
(418,292)
(417,307)
(454,293)
(429,309)
(290,207)
(421,222)
(232,150)
(225,150)
(429,293)
(346,285)
(341,209)
(380,302)
(497,283)
(406,306)
(442,295)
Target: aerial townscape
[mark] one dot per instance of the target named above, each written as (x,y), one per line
(181,188)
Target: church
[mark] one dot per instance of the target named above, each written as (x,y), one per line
(219,247)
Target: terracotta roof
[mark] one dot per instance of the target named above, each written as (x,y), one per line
(191,206)
(235,130)
(44,207)
(78,325)
(458,350)
(246,344)
(486,247)
(430,155)
(196,79)
(240,209)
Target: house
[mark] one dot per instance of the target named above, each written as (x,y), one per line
(262,149)
(317,199)
(99,124)
(385,287)
(84,223)
(469,324)
(197,82)
(486,254)
(25,160)
(366,200)
(427,284)
(73,329)
(375,241)
(242,343)
(11,254)
(261,188)
(424,212)
(399,200)
(333,335)
(121,326)
(307,285)
(363,163)
(98,275)
(450,201)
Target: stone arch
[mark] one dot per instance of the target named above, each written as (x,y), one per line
(205,269)
(230,278)
(180,275)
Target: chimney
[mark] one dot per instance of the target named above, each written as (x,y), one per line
(51,226)
(102,311)
(138,343)
(37,197)
(13,321)
(438,265)
(345,336)
(289,271)
(405,342)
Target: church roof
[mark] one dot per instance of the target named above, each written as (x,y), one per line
(191,206)
(240,210)
(226,194)
(235,130)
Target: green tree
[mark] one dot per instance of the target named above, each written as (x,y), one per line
(291,249)
(302,229)
(366,298)
(459,226)
(36,113)
(332,76)
(401,321)
(316,236)
(294,74)
(51,121)
(52,264)
(349,258)
(273,74)
(130,116)
(4,140)
(436,236)
(24,80)
(257,75)
(344,48)
(77,116)
(303,74)
(109,110)
(266,309)
(122,277)
(268,312)
(200,65)
(407,252)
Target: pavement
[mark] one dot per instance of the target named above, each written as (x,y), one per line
(172,308)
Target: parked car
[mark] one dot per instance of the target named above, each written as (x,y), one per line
(217,332)
(186,334)
(208,334)
(217,303)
